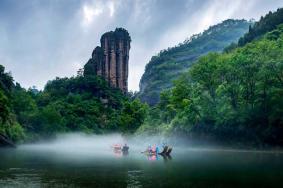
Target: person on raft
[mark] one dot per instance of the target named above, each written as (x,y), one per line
(166,150)
(152,150)
(125,148)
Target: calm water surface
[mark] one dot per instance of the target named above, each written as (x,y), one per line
(70,166)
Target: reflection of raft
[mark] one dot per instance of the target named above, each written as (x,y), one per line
(117,148)
(149,153)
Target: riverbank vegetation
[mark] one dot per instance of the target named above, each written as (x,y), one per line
(230,97)
(76,104)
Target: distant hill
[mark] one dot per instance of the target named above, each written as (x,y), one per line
(168,64)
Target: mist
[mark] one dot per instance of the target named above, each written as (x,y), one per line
(77,160)
(72,142)
(80,146)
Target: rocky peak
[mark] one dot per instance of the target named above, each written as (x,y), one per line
(110,61)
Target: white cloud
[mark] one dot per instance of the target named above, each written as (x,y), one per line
(89,13)
(111,7)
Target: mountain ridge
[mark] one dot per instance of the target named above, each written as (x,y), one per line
(165,67)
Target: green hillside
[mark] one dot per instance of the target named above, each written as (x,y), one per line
(168,64)
(231,97)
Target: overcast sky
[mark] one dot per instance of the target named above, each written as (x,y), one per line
(42,39)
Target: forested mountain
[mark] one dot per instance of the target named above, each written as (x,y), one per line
(80,103)
(232,97)
(168,64)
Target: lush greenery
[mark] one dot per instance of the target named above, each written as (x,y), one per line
(230,96)
(168,64)
(81,103)
(266,24)
(8,123)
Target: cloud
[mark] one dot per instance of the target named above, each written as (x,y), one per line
(95,10)
(111,7)
(40,40)
(89,13)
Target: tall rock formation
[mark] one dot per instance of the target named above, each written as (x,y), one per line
(111,60)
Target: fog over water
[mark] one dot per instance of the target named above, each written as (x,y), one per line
(80,144)
(77,143)
(81,160)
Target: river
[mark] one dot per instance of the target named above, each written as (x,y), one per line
(80,161)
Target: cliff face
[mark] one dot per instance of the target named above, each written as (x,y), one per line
(111,60)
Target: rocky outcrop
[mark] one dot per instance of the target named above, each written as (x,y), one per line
(111,60)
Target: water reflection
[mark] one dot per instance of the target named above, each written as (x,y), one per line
(120,153)
(152,157)
(125,153)
(166,158)
(156,157)
(91,162)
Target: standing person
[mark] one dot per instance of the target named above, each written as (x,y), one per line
(125,149)
(149,150)
(157,150)
(165,148)
(153,149)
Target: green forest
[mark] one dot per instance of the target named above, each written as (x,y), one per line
(81,103)
(234,96)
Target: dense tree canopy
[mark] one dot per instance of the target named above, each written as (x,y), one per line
(230,96)
(81,103)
